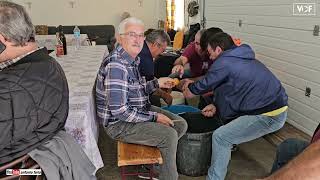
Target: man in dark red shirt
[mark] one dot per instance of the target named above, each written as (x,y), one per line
(197,58)
(297,159)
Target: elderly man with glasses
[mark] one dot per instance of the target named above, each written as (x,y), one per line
(155,43)
(122,100)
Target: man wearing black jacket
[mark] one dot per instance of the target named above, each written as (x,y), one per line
(34,92)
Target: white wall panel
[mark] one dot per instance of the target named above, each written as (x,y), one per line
(91,12)
(284,43)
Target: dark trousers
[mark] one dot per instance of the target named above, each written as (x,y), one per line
(154,134)
(286,151)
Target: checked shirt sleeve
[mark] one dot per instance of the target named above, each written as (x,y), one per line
(116,87)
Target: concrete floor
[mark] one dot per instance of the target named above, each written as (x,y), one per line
(251,161)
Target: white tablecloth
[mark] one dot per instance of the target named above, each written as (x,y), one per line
(50,41)
(81,68)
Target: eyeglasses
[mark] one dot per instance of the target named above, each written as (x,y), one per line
(160,46)
(133,35)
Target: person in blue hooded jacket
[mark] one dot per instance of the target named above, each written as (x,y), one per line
(246,93)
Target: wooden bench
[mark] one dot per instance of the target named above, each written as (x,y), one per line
(134,154)
(287,131)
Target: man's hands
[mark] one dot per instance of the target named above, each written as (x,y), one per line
(163,119)
(166,82)
(178,69)
(209,110)
(186,92)
(185,83)
(179,65)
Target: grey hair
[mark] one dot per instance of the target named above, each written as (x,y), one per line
(130,20)
(15,23)
(158,35)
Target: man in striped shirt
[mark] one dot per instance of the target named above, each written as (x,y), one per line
(122,100)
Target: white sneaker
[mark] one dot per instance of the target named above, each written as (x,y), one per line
(156,168)
(147,177)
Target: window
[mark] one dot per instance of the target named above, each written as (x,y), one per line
(175,14)
(179,15)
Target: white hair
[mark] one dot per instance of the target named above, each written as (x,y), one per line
(130,20)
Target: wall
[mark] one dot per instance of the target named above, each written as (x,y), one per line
(282,41)
(192,20)
(86,12)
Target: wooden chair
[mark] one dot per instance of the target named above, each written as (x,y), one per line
(134,154)
(24,162)
(286,132)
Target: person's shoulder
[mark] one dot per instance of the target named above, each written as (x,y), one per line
(145,56)
(191,47)
(114,58)
(189,50)
(221,62)
(112,63)
(39,59)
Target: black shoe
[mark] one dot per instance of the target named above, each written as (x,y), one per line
(234,148)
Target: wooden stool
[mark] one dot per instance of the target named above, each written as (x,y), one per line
(134,154)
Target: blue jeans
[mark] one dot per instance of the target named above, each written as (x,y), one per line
(286,151)
(243,129)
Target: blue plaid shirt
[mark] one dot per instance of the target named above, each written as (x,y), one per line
(121,93)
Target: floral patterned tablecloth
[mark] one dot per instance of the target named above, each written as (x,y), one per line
(81,68)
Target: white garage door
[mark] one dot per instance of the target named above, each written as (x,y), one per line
(284,42)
